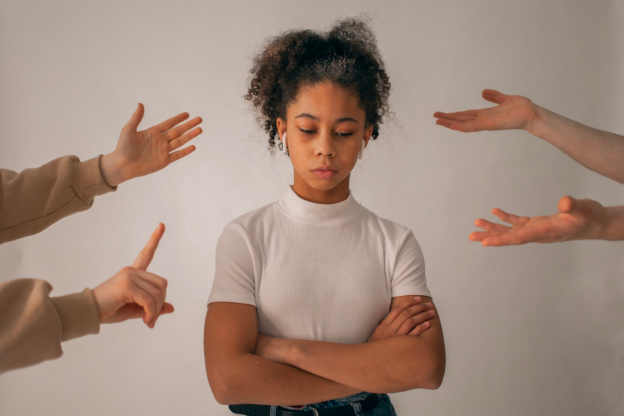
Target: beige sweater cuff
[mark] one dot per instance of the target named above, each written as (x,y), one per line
(79,314)
(88,181)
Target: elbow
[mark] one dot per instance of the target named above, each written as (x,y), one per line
(434,375)
(219,390)
(428,374)
(434,381)
(221,386)
(227,388)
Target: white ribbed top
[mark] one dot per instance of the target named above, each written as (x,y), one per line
(323,272)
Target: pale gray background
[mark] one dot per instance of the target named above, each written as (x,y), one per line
(529,330)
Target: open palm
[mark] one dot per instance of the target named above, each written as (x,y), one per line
(512,112)
(140,153)
(576,220)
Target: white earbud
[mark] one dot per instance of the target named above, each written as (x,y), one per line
(361,154)
(284,143)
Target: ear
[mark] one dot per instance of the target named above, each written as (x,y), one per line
(368,132)
(281,127)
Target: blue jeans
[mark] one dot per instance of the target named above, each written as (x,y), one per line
(384,408)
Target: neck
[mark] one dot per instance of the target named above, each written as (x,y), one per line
(337,194)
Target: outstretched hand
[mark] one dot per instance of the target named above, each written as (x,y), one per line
(140,153)
(134,292)
(512,112)
(577,219)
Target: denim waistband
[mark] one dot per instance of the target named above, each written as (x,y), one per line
(326,404)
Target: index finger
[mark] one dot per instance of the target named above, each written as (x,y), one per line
(172,122)
(147,254)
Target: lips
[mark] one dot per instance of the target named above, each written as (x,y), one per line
(324,172)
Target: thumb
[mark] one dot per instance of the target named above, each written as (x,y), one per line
(167,308)
(493,96)
(135,120)
(567,204)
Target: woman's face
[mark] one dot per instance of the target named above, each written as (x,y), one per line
(325,128)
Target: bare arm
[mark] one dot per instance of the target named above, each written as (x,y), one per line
(598,150)
(577,219)
(237,376)
(389,365)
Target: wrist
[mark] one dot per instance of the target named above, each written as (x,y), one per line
(112,170)
(288,351)
(612,226)
(538,124)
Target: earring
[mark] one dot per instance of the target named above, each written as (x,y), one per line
(361,154)
(284,145)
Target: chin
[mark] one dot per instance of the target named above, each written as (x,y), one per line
(324,184)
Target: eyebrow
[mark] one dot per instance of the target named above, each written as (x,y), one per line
(340,120)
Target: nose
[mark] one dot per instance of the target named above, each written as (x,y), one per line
(325,145)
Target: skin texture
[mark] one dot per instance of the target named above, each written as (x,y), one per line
(577,219)
(406,351)
(324,140)
(140,153)
(134,292)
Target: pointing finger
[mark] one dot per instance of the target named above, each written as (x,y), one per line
(145,256)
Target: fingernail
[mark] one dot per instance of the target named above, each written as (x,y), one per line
(417,297)
(426,324)
(429,304)
(431,312)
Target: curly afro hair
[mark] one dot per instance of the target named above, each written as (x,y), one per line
(346,55)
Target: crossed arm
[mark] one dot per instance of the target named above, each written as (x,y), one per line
(246,367)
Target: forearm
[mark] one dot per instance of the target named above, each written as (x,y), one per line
(256,380)
(389,365)
(34,199)
(598,150)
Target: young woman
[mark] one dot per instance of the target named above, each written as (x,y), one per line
(301,285)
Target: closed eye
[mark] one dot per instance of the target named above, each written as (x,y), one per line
(306,131)
(344,134)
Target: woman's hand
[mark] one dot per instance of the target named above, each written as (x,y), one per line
(133,292)
(140,153)
(407,318)
(512,112)
(578,219)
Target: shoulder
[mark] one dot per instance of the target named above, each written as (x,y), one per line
(253,222)
(392,231)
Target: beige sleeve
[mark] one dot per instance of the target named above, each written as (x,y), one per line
(32,324)
(34,199)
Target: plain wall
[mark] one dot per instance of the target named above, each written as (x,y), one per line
(535,329)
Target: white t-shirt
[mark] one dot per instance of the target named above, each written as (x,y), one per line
(316,271)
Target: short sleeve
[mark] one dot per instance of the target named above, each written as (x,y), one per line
(408,277)
(234,274)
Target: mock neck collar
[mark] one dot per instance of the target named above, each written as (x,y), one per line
(298,208)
